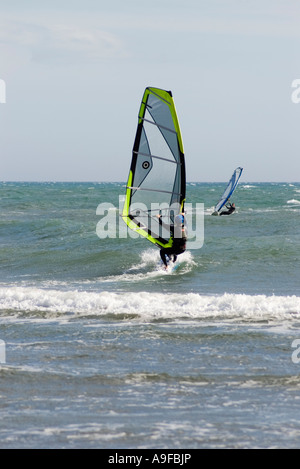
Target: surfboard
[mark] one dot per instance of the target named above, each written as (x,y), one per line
(172,267)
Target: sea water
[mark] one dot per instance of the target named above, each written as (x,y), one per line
(105,350)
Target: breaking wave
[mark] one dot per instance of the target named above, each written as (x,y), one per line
(147,306)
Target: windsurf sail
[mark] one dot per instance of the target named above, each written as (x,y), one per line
(229,189)
(156,184)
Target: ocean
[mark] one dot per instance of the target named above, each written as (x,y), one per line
(101,348)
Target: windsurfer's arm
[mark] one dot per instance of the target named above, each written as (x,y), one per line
(165,225)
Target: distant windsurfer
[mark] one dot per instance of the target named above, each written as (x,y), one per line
(178,237)
(230,209)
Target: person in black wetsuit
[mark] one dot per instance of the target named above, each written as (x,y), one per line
(179,238)
(230,209)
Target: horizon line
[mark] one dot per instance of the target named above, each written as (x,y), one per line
(42,181)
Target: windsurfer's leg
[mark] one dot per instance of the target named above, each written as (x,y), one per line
(163,257)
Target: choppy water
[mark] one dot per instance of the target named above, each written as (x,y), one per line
(104,350)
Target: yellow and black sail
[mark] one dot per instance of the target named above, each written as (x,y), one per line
(156,184)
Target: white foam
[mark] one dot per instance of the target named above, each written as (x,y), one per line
(294,202)
(148,306)
(149,267)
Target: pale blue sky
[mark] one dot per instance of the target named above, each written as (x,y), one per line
(75,72)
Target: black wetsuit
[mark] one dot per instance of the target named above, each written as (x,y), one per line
(178,246)
(230,210)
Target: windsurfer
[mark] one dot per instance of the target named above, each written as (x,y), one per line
(230,209)
(178,237)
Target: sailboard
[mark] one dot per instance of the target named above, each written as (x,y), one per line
(230,188)
(157,182)
(171,268)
